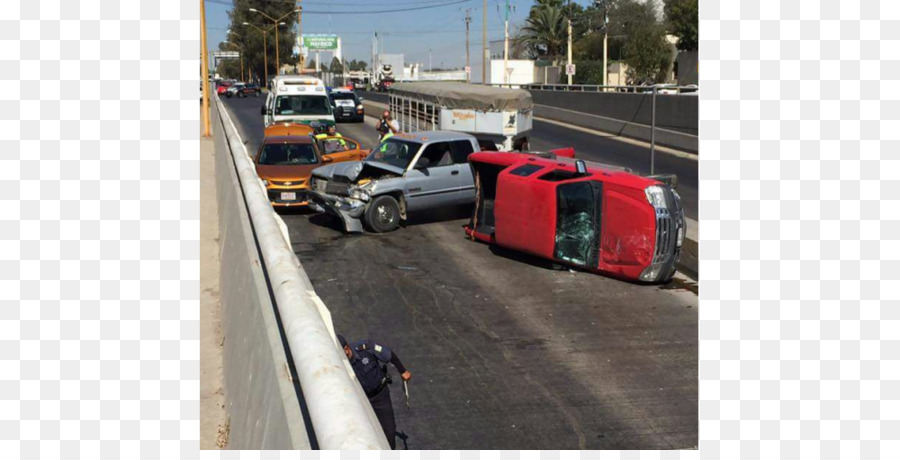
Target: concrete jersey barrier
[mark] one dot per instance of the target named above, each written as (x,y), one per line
(341,415)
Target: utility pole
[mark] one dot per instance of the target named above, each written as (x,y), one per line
(484,44)
(468,21)
(204,69)
(299,33)
(430,67)
(506,46)
(605,36)
(569,48)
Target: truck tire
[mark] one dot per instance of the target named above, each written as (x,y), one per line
(382,215)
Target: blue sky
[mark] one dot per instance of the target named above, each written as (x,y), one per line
(411,32)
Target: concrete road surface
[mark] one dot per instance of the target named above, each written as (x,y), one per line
(505,351)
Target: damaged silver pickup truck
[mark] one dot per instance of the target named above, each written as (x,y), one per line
(405,173)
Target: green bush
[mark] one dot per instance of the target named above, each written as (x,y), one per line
(588,73)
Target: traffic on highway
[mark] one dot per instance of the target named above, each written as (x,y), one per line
(525,274)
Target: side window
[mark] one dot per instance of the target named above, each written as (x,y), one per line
(438,154)
(351,145)
(461,151)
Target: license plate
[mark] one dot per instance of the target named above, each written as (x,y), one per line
(288,196)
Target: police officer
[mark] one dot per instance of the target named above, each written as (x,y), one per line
(369,361)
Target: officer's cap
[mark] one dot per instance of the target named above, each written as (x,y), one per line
(342,340)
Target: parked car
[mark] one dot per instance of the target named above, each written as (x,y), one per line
(289,153)
(405,174)
(249,89)
(347,106)
(578,213)
(223,86)
(234,90)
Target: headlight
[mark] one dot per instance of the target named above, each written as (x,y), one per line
(359,194)
(656,196)
(359,107)
(651,273)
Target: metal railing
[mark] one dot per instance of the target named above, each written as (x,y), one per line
(646,89)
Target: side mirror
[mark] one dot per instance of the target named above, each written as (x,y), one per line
(327,159)
(423,163)
(262,110)
(362,99)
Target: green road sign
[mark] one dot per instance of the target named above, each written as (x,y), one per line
(320,42)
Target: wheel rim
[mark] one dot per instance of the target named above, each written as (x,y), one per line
(384,215)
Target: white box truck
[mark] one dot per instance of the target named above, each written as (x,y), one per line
(500,118)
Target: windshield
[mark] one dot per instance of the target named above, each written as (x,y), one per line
(288,155)
(343,96)
(395,152)
(302,105)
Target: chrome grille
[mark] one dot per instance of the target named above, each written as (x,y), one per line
(337,188)
(665,235)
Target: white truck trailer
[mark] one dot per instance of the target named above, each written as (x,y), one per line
(500,118)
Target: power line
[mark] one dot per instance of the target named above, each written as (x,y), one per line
(387,11)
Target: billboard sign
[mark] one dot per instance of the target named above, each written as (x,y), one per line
(320,42)
(226,54)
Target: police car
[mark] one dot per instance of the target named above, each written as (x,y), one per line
(297,99)
(347,106)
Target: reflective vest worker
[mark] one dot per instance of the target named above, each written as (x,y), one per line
(369,361)
(331,132)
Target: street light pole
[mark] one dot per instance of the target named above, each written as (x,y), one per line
(569,48)
(484,44)
(468,69)
(204,69)
(506,46)
(265,48)
(605,36)
(275,23)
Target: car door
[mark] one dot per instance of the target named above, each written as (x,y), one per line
(433,181)
(267,108)
(460,150)
(340,149)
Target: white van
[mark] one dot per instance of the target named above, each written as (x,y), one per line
(297,99)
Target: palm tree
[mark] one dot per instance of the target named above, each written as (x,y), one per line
(545,30)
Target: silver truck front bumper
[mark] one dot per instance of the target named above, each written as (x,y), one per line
(348,210)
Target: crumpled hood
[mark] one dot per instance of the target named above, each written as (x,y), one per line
(352,169)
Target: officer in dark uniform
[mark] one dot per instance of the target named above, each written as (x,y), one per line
(369,361)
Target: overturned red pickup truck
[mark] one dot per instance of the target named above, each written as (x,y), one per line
(578,213)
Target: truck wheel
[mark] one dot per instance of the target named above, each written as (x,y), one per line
(383,214)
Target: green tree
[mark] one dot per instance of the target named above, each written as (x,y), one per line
(546,30)
(336,66)
(644,47)
(251,39)
(683,22)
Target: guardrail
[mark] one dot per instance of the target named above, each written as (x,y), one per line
(647,89)
(341,415)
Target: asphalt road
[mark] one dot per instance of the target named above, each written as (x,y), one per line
(611,150)
(505,351)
